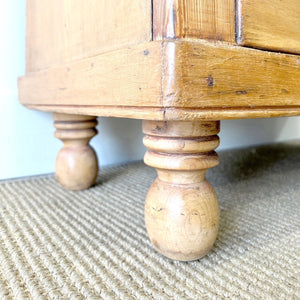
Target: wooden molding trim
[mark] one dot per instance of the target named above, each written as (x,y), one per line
(182,74)
(169,114)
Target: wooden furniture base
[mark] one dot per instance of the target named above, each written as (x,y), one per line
(181,66)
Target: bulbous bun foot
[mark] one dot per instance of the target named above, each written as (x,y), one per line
(182,220)
(76,165)
(76,168)
(181,209)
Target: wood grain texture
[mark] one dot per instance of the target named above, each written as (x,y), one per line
(181,209)
(200,19)
(129,76)
(197,77)
(217,75)
(269,24)
(76,165)
(59,31)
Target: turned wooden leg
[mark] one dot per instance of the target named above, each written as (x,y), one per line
(76,163)
(181,209)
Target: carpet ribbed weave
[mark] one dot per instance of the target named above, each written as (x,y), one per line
(58,244)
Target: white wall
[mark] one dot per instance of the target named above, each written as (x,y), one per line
(27,143)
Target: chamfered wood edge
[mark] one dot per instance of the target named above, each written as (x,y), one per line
(154,75)
(171,113)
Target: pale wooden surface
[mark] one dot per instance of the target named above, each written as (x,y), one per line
(98,58)
(207,75)
(200,19)
(127,77)
(59,31)
(169,74)
(269,24)
(76,165)
(181,209)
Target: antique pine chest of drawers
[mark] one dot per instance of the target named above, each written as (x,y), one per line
(181,66)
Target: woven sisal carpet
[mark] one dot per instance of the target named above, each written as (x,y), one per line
(57,244)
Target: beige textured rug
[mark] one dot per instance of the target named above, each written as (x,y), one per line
(57,244)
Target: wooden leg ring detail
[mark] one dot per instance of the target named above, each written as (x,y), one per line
(76,163)
(181,209)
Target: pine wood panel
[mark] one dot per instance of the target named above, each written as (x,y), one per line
(209,75)
(201,19)
(269,24)
(59,31)
(130,76)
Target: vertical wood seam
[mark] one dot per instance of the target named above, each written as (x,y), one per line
(152,21)
(162,73)
(238,23)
